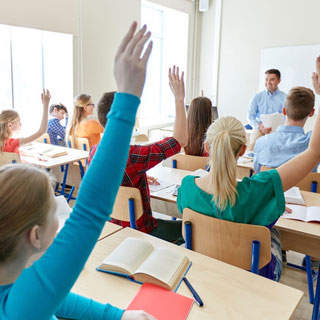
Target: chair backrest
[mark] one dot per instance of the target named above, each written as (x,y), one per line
(127,199)
(79,143)
(45,138)
(243,172)
(311,182)
(227,241)
(8,157)
(191,163)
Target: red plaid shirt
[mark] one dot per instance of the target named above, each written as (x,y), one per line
(141,159)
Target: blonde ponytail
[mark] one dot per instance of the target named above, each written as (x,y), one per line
(224,137)
(79,102)
(6,116)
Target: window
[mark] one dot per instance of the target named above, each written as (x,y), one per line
(170,47)
(31,60)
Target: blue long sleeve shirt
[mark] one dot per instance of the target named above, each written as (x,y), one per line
(42,291)
(265,102)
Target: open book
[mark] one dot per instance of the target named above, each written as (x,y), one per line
(162,185)
(302,213)
(294,196)
(54,153)
(272,120)
(139,261)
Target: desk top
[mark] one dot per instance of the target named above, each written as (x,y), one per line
(227,292)
(108,229)
(34,148)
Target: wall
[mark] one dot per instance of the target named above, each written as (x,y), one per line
(247,27)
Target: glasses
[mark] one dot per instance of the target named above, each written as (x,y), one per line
(91,104)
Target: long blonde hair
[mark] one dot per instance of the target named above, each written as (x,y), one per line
(6,116)
(79,102)
(224,137)
(26,197)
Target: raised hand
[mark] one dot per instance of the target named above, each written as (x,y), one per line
(176,83)
(316,77)
(45,98)
(136,315)
(129,66)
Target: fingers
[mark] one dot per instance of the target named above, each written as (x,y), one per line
(127,38)
(140,45)
(318,66)
(133,41)
(288,210)
(147,53)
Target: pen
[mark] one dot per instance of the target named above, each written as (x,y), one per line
(194,293)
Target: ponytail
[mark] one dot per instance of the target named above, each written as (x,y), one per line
(225,137)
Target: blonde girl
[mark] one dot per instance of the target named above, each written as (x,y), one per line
(82,127)
(10,124)
(28,222)
(257,200)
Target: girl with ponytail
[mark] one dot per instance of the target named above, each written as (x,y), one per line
(256,200)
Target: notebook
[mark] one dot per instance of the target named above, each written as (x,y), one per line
(161,303)
(302,213)
(294,196)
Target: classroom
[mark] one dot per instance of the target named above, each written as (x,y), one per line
(222,49)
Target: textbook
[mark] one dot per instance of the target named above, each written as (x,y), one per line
(162,185)
(302,213)
(139,261)
(272,120)
(161,303)
(54,153)
(294,196)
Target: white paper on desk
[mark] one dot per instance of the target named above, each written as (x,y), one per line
(294,196)
(272,120)
(162,185)
(244,159)
(198,173)
(63,211)
(302,213)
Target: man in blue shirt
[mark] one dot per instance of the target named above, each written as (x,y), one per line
(268,101)
(55,130)
(272,150)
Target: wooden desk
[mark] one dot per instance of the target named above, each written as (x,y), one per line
(227,292)
(303,237)
(109,229)
(33,149)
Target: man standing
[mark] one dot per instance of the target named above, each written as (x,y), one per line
(268,101)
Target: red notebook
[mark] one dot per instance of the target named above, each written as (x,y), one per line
(163,304)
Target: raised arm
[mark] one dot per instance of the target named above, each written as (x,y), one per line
(177,87)
(296,169)
(45,98)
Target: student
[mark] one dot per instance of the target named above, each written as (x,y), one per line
(199,119)
(142,158)
(272,150)
(55,130)
(10,125)
(81,127)
(267,101)
(257,200)
(28,222)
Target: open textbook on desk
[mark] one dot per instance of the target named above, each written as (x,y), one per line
(303,213)
(139,261)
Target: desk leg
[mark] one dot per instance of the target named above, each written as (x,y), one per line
(309,277)
(315,312)
(64,179)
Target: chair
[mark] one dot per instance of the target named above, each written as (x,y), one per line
(45,138)
(243,172)
(310,182)
(79,143)
(128,206)
(187,162)
(227,241)
(9,157)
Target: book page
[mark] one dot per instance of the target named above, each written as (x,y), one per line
(163,264)
(63,211)
(298,212)
(294,196)
(272,120)
(313,214)
(129,255)
(163,184)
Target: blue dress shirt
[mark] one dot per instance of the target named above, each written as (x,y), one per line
(272,150)
(265,102)
(56,131)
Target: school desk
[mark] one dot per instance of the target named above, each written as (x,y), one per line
(227,292)
(108,229)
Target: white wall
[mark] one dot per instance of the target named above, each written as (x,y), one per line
(247,27)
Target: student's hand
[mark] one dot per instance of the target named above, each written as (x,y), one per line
(129,68)
(288,210)
(45,98)
(152,180)
(316,77)
(136,315)
(176,83)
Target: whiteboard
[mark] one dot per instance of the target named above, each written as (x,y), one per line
(296,64)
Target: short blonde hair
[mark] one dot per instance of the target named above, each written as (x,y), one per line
(26,197)
(224,137)
(6,116)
